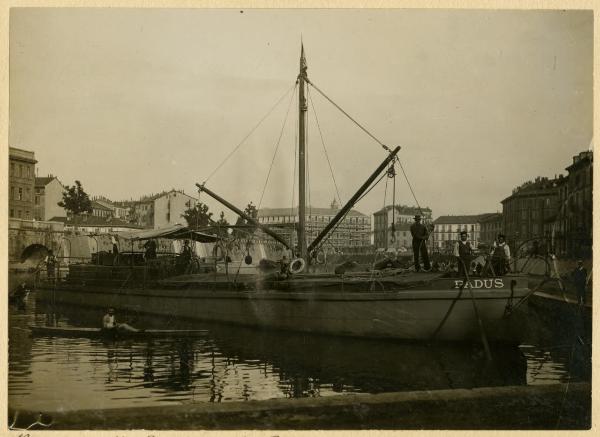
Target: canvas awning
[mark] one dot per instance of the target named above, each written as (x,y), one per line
(175,232)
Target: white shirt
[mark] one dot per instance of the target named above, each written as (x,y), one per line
(108,321)
(456,252)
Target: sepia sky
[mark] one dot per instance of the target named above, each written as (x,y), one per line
(133,101)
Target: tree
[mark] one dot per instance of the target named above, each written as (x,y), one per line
(252,211)
(198,216)
(221,226)
(75,200)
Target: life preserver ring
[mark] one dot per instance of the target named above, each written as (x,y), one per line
(296,266)
(320,257)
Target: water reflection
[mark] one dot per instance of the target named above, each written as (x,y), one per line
(234,363)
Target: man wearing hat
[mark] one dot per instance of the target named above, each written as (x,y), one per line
(500,256)
(420,234)
(463,251)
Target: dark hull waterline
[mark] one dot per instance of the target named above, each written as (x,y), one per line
(418,311)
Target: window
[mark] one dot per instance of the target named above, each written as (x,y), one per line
(20,195)
(28,171)
(27,215)
(20,171)
(12,213)
(12,168)
(18,213)
(37,200)
(28,194)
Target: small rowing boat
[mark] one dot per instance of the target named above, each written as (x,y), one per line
(61,331)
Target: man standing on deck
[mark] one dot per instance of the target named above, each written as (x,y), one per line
(463,251)
(420,234)
(500,256)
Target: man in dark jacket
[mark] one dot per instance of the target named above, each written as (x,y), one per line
(462,250)
(579,276)
(420,234)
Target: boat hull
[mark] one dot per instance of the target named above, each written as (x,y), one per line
(421,313)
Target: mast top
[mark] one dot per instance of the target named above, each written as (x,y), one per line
(303,66)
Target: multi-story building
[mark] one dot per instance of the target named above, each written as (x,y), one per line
(117,211)
(530,211)
(354,230)
(402,217)
(158,210)
(573,229)
(490,225)
(21,182)
(448,227)
(48,193)
(99,210)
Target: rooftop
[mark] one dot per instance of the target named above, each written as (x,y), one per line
(151,197)
(460,219)
(287,212)
(92,220)
(405,209)
(97,205)
(581,159)
(21,154)
(43,181)
(485,218)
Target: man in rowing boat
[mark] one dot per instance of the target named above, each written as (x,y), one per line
(109,323)
(420,234)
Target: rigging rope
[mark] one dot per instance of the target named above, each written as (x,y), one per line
(250,133)
(344,216)
(324,149)
(276,148)
(410,186)
(347,115)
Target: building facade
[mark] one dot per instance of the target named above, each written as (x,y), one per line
(99,210)
(448,227)
(21,183)
(574,227)
(402,216)
(158,210)
(490,225)
(116,210)
(530,211)
(353,231)
(47,195)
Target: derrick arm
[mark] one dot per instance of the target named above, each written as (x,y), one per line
(353,200)
(245,216)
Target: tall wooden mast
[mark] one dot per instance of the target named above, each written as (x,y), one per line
(302,158)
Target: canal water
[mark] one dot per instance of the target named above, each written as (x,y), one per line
(237,364)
